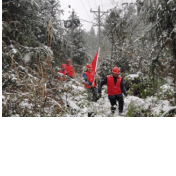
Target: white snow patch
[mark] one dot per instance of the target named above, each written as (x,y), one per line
(78,87)
(156,106)
(166,87)
(73,105)
(169,108)
(169,80)
(26,58)
(3,97)
(169,1)
(32,76)
(163,106)
(16,115)
(26,104)
(14,51)
(13,77)
(132,76)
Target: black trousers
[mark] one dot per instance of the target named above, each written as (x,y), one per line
(113,100)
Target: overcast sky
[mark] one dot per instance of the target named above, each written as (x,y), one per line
(82,8)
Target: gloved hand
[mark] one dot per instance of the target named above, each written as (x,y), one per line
(99,95)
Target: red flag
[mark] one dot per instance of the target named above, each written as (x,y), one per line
(95,61)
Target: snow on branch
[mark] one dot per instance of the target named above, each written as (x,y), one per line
(170,109)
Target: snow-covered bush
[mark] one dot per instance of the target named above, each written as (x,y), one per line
(134,110)
(137,85)
(166,92)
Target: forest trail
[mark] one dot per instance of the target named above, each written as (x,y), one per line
(140,38)
(86,108)
(69,99)
(133,105)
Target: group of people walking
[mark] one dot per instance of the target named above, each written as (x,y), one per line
(115,85)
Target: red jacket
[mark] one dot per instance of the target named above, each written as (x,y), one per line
(112,88)
(90,77)
(69,69)
(64,73)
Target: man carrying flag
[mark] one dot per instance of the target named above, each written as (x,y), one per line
(89,77)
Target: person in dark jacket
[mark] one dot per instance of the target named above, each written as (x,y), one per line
(115,88)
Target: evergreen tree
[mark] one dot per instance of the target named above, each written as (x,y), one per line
(26,23)
(161,16)
(115,29)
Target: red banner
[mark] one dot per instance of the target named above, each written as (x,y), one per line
(95,61)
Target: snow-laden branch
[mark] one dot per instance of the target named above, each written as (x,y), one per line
(147,30)
(54,101)
(170,109)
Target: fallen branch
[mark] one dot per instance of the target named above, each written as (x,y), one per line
(173,108)
(55,102)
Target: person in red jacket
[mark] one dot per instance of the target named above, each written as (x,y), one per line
(115,88)
(64,72)
(89,77)
(69,69)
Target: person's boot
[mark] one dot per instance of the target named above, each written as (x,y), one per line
(113,109)
(91,114)
(121,114)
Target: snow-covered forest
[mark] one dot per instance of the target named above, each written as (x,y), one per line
(139,39)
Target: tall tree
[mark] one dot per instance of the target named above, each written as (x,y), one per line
(162,15)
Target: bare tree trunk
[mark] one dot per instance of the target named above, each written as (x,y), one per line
(174,54)
(112,47)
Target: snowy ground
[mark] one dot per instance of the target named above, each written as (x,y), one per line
(77,105)
(101,108)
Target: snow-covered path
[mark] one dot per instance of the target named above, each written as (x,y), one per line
(101,108)
(73,102)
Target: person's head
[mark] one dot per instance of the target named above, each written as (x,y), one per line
(68,62)
(89,67)
(63,66)
(115,72)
